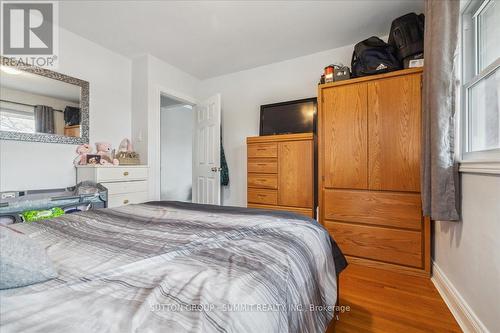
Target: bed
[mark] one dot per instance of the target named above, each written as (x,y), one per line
(179,267)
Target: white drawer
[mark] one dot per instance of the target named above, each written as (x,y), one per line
(116,200)
(126,187)
(120,174)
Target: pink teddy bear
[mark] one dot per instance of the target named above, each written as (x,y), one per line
(104,150)
(82,151)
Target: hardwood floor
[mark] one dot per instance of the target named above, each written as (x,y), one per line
(389,302)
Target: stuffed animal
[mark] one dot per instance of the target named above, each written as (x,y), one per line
(104,150)
(125,146)
(82,151)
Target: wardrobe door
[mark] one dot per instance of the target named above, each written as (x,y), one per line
(394,119)
(344,119)
(295,173)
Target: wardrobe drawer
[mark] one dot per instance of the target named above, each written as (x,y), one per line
(260,196)
(262,150)
(110,174)
(262,180)
(262,166)
(402,247)
(126,187)
(117,200)
(401,210)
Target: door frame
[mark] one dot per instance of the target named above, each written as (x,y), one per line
(154,126)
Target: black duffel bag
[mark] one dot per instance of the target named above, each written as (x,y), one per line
(407,35)
(373,56)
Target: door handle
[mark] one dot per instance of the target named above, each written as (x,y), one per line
(216,169)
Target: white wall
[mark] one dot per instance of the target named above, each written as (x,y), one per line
(139,116)
(176,153)
(28,165)
(151,76)
(243,93)
(468,252)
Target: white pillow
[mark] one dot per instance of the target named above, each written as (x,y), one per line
(22,261)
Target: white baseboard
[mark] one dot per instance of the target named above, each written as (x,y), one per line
(462,312)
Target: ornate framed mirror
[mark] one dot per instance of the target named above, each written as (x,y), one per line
(41,105)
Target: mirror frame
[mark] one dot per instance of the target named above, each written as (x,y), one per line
(52,138)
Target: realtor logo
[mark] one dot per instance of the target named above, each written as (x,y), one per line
(29,31)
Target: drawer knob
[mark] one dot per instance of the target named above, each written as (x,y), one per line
(125,173)
(125,201)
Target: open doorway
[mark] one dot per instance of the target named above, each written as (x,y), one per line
(186,152)
(176,149)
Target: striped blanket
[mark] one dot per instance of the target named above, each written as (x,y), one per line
(172,267)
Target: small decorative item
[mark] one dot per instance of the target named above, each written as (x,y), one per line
(126,155)
(93,159)
(82,151)
(335,72)
(322,79)
(125,146)
(416,63)
(104,150)
(341,72)
(329,73)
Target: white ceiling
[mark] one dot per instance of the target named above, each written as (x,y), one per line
(210,38)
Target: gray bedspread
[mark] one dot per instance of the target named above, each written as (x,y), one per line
(172,267)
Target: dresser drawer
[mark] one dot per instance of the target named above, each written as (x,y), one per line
(390,245)
(118,174)
(262,180)
(262,166)
(260,196)
(117,200)
(400,210)
(126,187)
(262,150)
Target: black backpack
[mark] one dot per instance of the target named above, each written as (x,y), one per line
(373,56)
(407,35)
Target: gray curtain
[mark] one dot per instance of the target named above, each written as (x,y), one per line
(440,182)
(44,119)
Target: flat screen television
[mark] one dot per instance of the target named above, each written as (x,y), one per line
(288,117)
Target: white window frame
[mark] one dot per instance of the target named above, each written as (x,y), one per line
(486,161)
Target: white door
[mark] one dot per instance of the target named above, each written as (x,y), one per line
(206,152)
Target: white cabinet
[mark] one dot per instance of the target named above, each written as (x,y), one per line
(125,184)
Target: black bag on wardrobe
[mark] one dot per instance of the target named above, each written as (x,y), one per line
(71,116)
(373,56)
(407,35)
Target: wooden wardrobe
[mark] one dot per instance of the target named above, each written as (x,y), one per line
(281,172)
(369,170)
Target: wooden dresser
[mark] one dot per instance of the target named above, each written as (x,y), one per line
(281,172)
(125,184)
(73,131)
(369,170)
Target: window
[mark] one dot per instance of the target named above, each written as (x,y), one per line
(481,80)
(488,33)
(16,119)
